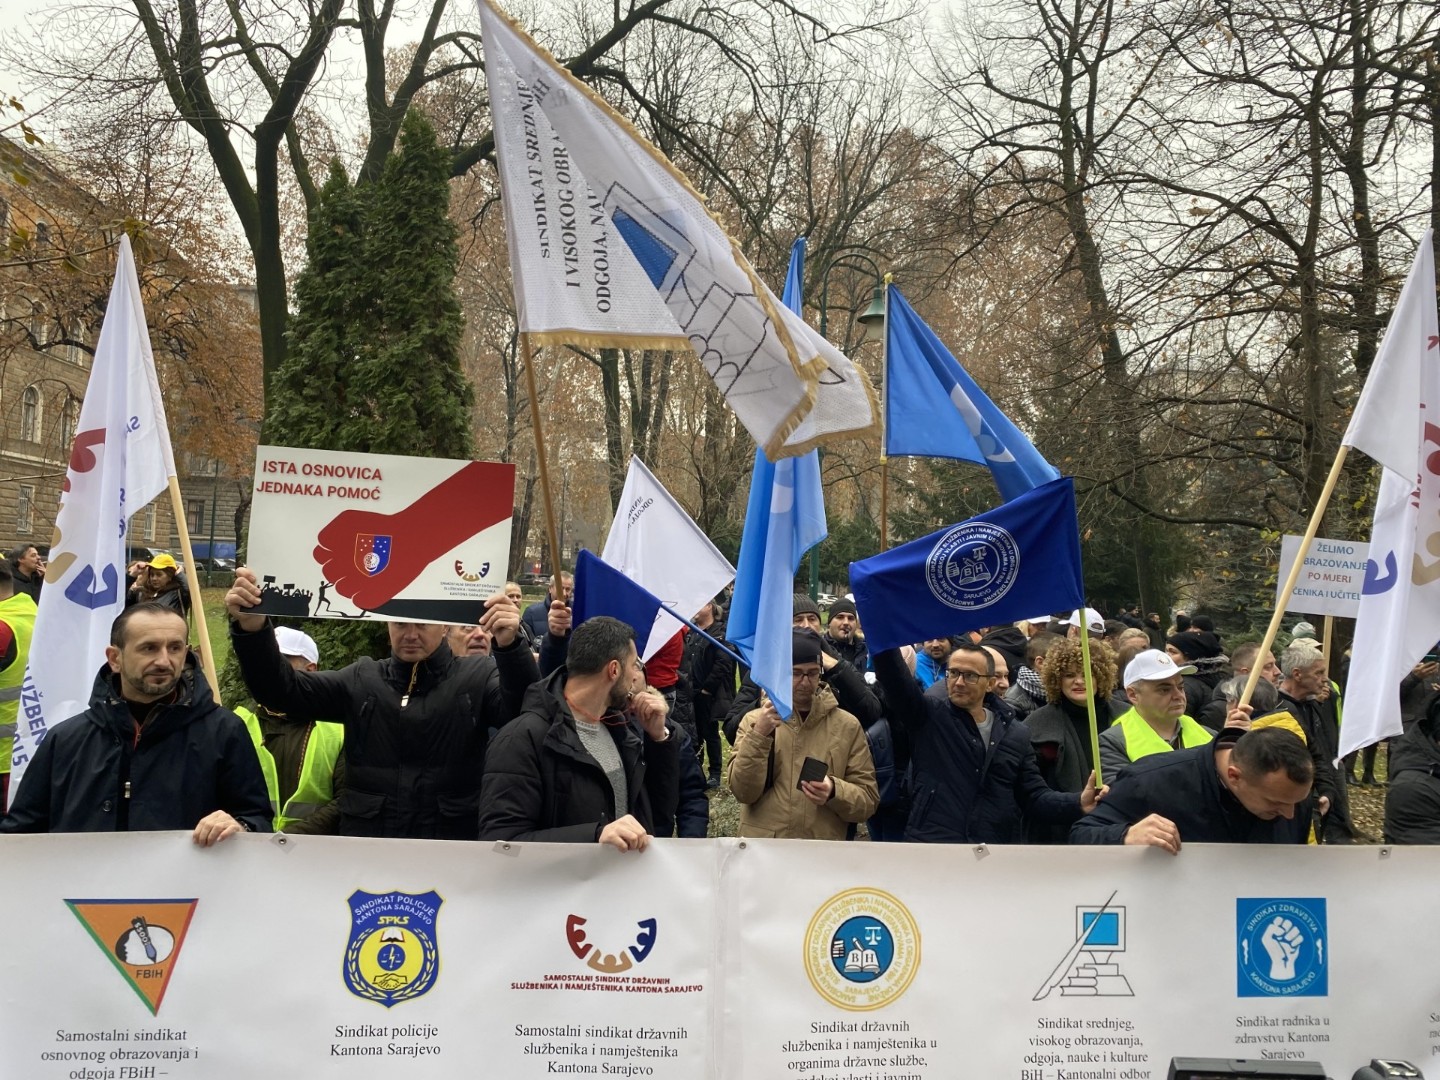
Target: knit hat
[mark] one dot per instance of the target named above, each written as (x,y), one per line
(803,605)
(1302,629)
(805,646)
(843,607)
(1009,643)
(1195,644)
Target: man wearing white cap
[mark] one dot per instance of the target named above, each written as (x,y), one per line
(1156,722)
(1092,620)
(301,759)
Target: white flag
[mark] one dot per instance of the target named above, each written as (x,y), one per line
(655,544)
(579,184)
(120,461)
(1397,422)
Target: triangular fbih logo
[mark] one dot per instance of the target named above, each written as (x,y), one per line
(142,938)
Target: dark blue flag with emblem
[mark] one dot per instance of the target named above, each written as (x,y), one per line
(600,589)
(1000,566)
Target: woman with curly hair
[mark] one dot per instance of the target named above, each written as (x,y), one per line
(1060,729)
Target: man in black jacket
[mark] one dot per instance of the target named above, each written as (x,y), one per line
(1255,789)
(152,752)
(842,635)
(1412,805)
(975,774)
(571,768)
(416,724)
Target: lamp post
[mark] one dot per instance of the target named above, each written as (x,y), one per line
(873,320)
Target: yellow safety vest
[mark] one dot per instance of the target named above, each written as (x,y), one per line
(1141,740)
(18,612)
(317,771)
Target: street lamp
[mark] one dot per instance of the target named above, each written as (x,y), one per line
(873,320)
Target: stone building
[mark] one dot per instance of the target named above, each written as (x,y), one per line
(56,266)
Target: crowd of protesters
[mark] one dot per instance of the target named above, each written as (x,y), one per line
(1066,729)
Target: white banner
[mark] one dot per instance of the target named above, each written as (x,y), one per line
(120,460)
(350,536)
(326,957)
(1331,580)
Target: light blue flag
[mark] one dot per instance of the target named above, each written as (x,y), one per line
(934,409)
(784,519)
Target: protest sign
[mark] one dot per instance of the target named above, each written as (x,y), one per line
(1332,578)
(352,536)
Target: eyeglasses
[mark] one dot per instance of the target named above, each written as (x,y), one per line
(799,675)
(970,677)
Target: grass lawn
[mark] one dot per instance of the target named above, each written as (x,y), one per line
(215,619)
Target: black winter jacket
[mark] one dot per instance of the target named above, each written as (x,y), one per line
(192,758)
(965,793)
(1412,803)
(1185,787)
(542,785)
(414,751)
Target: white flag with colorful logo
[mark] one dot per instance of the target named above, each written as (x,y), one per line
(580,183)
(120,461)
(1397,422)
(657,545)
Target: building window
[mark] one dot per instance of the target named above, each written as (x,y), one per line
(76,349)
(40,327)
(24,510)
(150,522)
(195,515)
(30,415)
(68,422)
(42,234)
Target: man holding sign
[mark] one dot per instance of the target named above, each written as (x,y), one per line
(417,724)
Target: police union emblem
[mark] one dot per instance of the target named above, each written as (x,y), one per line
(1281,948)
(972,566)
(372,553)
(392,955)
(862,949)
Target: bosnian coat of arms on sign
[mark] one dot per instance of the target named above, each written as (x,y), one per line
(392,955)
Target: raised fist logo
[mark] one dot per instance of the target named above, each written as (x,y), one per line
(1282,940)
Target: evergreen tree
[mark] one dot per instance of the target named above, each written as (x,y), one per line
(373,364)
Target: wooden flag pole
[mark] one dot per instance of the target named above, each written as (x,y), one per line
(1284,598)
(552,534)
(192,578)
(1090,693)
(1327,638)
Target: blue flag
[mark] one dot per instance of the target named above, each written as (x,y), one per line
(600,589)
(784,519)
(1000,566)
(934,409)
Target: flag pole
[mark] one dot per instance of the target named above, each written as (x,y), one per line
(1321,503)
(552,534)
(1326,639)
(192,579)
(884,423)
(1090,693)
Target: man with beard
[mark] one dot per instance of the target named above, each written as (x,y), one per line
(570,768)
(152,752)
(843,635)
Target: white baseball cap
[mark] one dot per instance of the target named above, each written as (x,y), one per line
(1039,620)
(294,643)
(1153,665)
(1094,621)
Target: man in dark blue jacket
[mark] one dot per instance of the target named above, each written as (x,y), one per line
(1254,789)
(975,775)
(153,751)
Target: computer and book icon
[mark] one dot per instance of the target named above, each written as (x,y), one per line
(1090,968)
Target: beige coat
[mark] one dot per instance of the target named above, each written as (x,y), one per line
(765,770)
